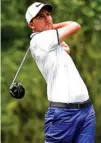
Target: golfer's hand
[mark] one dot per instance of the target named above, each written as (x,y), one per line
(66,47)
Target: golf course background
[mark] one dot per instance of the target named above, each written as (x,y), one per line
(22,121)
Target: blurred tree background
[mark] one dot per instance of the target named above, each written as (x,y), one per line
(23,120)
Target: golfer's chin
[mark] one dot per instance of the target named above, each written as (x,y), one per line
(48,27)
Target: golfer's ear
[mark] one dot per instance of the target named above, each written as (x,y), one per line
(31,25)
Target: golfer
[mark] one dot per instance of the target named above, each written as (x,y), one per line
(70,117)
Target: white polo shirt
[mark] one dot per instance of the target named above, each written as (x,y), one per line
(64,83)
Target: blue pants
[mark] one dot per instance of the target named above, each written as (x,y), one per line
(70,125)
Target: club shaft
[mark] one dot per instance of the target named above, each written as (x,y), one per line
(20,66)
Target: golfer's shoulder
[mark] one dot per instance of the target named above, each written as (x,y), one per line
(42,37)
(34,38)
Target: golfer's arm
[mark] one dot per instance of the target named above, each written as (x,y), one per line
(62,24)
(68,30)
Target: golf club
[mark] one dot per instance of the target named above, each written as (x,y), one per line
(16,89)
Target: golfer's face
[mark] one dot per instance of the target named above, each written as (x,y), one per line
(43,21)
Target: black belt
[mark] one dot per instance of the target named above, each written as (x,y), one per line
(84,104)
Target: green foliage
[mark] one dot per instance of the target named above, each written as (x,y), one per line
(23,120)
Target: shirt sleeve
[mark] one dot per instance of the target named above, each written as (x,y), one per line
(46,40)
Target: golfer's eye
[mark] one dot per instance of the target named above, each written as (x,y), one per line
(48,14)
(40,17)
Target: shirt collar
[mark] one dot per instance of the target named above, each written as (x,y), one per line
(33,34)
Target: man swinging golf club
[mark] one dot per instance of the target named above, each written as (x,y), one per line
(70,117)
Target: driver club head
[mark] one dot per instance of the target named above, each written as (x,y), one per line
(17,90)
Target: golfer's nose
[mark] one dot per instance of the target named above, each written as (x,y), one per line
(46,17)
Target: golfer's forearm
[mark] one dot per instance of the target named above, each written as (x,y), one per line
(62,24)
(68,30)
